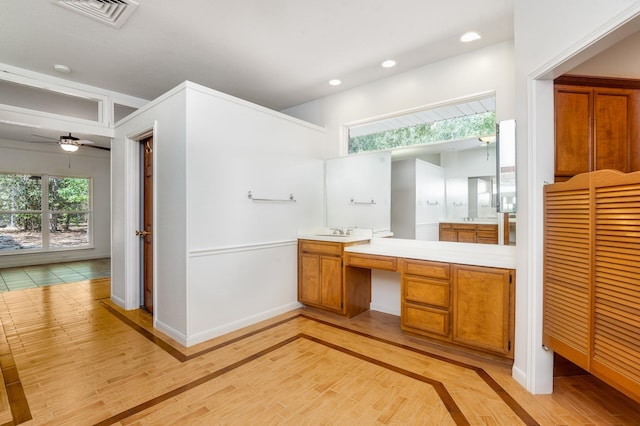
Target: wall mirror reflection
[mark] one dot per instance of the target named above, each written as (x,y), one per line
(442,171)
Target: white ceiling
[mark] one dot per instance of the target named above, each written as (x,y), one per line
(276,53)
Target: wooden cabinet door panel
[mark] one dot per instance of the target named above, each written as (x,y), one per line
(466,235)
(573,135)
(481,308)
(448,235)
(611,128)
(331,282)
(309,279)
(616,301)
(567,272)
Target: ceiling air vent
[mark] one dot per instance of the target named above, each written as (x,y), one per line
(110,12)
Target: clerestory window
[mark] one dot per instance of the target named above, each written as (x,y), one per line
(454,121)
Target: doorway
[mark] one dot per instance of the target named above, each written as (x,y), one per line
(146,234)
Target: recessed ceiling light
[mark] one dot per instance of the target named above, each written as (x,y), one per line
(335,82)
(470,36)
(389,63)
(62,68)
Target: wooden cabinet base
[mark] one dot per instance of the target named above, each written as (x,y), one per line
(324,283)
(469,306)
(469,233)
(465,306)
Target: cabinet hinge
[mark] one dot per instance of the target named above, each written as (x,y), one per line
(510,278)
(509,346)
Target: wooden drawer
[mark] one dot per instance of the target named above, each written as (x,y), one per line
(370,261)
(430,292)
(487,239)
(420,318)
(487,234)
(426,268)
(445,226)
(320,247)
(466,226)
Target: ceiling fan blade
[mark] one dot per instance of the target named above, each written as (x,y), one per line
(41,142)
(44,137)
(97,147)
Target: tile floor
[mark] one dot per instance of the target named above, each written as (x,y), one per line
(19,278)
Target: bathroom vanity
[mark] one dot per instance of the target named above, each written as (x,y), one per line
(458,293)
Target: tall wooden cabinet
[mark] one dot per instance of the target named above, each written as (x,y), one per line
(592,275)
(596,127)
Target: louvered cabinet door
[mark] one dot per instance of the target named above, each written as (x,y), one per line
(567,273)
(616,343)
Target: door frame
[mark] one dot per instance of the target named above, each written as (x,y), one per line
(134,284)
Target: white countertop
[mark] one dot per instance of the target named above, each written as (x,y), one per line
(492,255)
(333,238)
(328,234)
(474,221)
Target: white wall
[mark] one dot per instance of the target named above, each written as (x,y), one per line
(166,116)
(550,38)
(487,69)
(222,260)
(242,254)
(23,157)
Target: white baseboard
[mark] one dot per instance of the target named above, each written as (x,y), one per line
(385,309)
(171,332)
(235,325)
(118,301)
(519,375)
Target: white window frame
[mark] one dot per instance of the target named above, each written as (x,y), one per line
(45,214)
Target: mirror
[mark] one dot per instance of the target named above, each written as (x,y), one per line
(440,170)
(506,166)
(424,185)
(358,191)
(482,194)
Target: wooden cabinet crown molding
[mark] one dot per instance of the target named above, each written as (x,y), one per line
(580,80)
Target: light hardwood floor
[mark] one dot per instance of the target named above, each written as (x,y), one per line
(69,356)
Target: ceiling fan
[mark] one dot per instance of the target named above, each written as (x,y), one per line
(70,143)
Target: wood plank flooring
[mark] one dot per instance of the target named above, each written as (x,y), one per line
(69,356)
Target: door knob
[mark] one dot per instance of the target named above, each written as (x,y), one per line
(142,233)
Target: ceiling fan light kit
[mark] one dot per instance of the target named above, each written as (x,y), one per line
(70,143)
(69,146)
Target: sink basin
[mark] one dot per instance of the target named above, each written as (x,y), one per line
(333,235)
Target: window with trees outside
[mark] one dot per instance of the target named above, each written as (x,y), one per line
(471,118)
(41,212)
